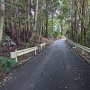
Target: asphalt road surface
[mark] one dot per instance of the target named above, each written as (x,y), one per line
(56,68)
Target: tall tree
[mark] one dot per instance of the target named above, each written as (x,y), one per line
(46,18)
(36,14)
(2,7)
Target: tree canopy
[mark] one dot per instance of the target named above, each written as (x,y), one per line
(22,19)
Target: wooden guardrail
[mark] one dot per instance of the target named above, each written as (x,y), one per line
(79,46)
(16,53)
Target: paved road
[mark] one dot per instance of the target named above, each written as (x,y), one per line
(56,68)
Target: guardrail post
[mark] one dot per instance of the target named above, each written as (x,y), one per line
(41,47)
(16,56)
(35,52)
(83,52)
(44,46)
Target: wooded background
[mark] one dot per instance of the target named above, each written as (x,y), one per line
(22,20)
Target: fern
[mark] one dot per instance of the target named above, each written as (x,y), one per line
(7,64)
(9,41)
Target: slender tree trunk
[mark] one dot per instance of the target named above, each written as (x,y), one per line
(36,14)
(82,22)
(10,21)
(15,24)
(52,26)
(2,6)
(46,25)
(52,21)
(42,26)
(27,15)
(89,22)
(46,20)
(85,24)
(30,13)
(61,28)
(72,23)
(35,21)
(75,23)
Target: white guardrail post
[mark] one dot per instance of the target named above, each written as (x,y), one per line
(42,45)
(35,52)
(16,55)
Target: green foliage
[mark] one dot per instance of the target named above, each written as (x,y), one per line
(7,64)
(8,41)
(56,33)
(61,36)
(20,3)
(60,17)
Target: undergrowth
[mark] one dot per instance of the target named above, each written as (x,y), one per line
(7,64)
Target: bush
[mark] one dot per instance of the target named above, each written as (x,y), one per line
(7,64)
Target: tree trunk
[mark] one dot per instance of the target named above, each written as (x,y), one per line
(27,15)
(52,26)
(72,23)
(52,21)
(42,26)
(61,28)
(36,13)
(75,23)
(82,22)
(2,6)
(46,20)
